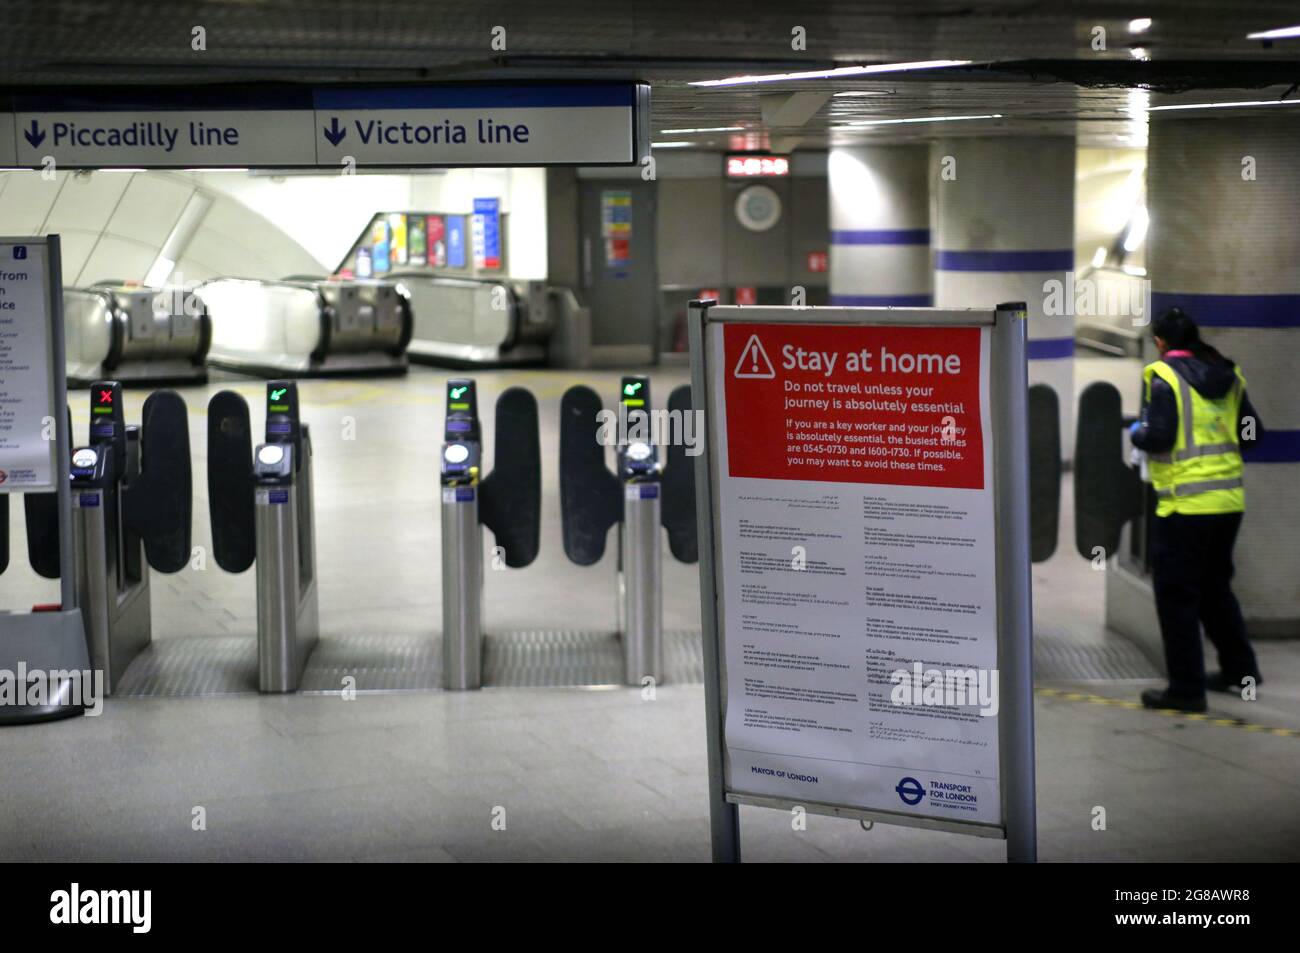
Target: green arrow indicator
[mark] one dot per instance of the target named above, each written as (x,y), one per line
(279,392)
(456,392)
(631,389)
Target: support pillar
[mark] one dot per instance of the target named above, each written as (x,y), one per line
(1004,231)
(880,227)
(1225,247)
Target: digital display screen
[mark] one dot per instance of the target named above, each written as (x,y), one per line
(756,166)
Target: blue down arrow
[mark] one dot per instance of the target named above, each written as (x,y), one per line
(335,133)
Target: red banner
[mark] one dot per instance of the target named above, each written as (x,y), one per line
(892,405)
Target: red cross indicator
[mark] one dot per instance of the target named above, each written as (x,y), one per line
(105,396)
(753,363)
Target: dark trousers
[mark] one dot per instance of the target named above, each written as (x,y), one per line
(1192,569)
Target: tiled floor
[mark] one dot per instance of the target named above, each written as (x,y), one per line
(573,774)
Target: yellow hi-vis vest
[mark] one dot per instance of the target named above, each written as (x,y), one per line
(1202,473)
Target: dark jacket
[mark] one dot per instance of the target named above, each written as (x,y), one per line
(1212,376)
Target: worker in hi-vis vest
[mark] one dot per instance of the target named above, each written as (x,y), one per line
(1195,418)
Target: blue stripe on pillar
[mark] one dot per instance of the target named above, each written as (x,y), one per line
(1274,446)
(881,236)
(1232,311)
(882,301)
(1049,349)
(1036,260)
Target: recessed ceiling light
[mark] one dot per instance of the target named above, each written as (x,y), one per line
(895,122)
(670,145)
(1140,25)
(1253,102)
(1140,53)
(670,132)
(832,73)
(866,92)
(1281,33)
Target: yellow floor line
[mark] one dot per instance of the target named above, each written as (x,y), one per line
(1091,699)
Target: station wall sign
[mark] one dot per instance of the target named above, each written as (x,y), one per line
(278,127)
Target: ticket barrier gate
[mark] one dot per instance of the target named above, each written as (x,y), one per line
(508,502)
(1108,492)
(131,507)
(261,511)
(1044,472)
(643,495)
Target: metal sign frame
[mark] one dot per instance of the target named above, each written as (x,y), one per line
(1008,435)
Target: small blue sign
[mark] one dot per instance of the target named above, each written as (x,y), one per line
(88,499)
(20,252)
(487,233)
(455,241)
(650,491)
(279,496)
(464,494)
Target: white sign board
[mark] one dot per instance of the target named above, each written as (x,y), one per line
(854,564)
(167,138)
(332,127)
(27,406)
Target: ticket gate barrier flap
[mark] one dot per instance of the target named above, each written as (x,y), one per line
(678,484)
(230,482)
(591,497)
(510,497)
(1107,490)
(42,514)
(1044,472)
(159,502)
(41,511)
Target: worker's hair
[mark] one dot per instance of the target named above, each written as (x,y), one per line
(1180,333)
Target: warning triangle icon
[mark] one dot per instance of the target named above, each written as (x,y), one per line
(753,361)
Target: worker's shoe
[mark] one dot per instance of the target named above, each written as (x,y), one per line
(1161,699)
(1219,682)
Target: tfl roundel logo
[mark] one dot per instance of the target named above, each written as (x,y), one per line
(910,791)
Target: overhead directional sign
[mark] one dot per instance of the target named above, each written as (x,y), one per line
(547,124)
(479,125)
